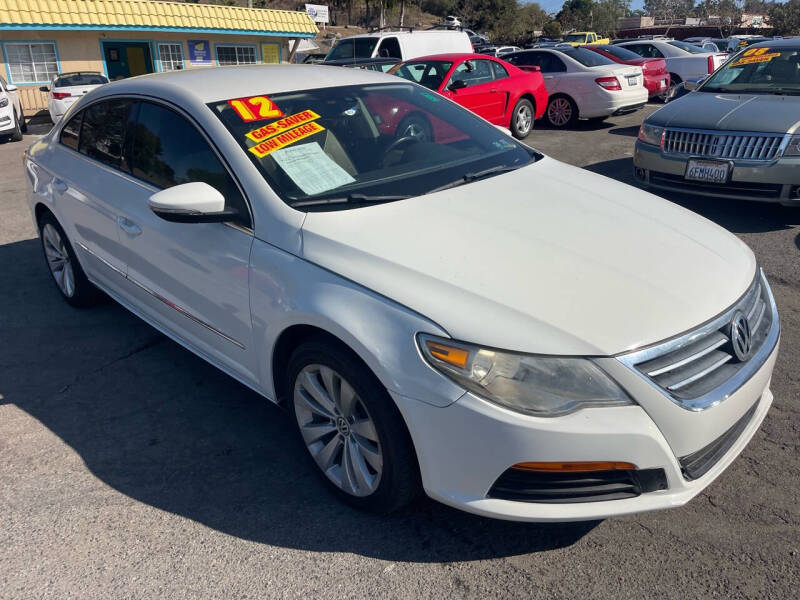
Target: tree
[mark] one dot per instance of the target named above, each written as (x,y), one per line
(607,14)
(552,29)
(576,14)
(785,18)
(670,10)
(516,25)
(729,13)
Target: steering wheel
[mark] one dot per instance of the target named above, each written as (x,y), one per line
(406,139)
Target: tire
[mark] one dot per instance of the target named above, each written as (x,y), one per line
(562,112)
(416,126)
(23,125)
(674,81)
(70,279)
(16,133)
(522,119)
(363,453)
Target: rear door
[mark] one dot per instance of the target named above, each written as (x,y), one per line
(192,278)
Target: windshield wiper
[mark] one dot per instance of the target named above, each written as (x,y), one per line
(470,177)
(354,198)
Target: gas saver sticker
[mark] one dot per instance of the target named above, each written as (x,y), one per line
(272,129)
(255,108)
(286,138)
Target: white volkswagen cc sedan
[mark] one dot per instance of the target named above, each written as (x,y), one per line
(519,338)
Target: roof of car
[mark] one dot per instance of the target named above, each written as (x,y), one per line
(453,56)
(222,83)
(784,43)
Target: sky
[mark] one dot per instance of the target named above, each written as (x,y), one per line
(555,5)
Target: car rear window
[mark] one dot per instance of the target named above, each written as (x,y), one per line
(80,79)
(586,57)
(690,48)
(620,53)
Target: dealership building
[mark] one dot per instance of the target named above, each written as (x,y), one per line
(123,38)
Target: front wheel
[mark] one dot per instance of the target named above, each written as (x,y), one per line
(16,133)
(562,112)
(522,119)
(351,428)
(67,273)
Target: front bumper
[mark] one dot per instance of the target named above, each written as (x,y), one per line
(7,118)
(775,181)
(464,448)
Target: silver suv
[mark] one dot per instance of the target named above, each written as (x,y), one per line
(737,135)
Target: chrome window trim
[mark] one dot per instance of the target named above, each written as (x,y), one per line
(158,296)
(724,391)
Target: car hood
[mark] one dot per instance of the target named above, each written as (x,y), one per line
(731,112)
(547,259)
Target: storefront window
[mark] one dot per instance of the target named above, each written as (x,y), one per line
(171,56)
(31,62)
(236,55)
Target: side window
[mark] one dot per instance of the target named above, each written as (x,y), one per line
(638,49)
(71,131)
(499,70)
(390,48)
(103,132)
(482,73)
(167,150)
(521,58)
(550,63)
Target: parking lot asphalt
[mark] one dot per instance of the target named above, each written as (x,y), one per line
(129,468)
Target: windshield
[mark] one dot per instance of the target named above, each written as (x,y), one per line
(429,73)
(353,48)
(690,48)
(758,71)
(364,143)
(71,79)
(620,53)
(575,37)
(586,57)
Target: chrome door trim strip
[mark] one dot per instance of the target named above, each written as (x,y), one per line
(158,296)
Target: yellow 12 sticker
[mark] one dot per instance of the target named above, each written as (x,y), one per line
(255,108)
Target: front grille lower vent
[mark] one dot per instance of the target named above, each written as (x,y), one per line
(727,145)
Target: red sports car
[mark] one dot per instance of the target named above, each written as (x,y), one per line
(656,77)
(491,88)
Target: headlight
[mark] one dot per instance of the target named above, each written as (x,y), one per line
(537,385)
(793,147)
(650,134)
(3,102)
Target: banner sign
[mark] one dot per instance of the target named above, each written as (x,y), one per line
(317,12)
(199,52)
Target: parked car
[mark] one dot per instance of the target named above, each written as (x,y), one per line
(402,45)
(583,84)
(684,61)
(579,38)
(736,135)
(709,44)
(12,117)
(497,91)
(683,88)
(656,78)
(498,51)
(312,58)
(451,21)
(67,88)
(477,39)
(515,336)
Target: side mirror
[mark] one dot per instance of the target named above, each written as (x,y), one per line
(691,86)
(195,202)
(458,84)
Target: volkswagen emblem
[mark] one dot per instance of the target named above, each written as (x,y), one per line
(741,339)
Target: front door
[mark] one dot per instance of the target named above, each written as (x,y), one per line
(480,94)
(191,277)
(127,59)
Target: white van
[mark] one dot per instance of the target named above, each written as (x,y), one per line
(402,45)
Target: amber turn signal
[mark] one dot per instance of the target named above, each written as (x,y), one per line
(449,354)
(574,467)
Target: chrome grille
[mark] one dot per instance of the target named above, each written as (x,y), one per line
(700,368)
(728,145)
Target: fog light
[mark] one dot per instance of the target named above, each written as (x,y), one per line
(639,172)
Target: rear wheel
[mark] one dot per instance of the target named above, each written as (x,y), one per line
(16,133)
(351,428)
(522,119)
(23,125)
(562,112)
(67,273)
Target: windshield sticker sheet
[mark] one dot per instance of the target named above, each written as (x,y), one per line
(755,55)
(286,138)
(311,169)
(267,131)
(255,108)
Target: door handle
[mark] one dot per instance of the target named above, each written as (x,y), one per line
(59,186)
(129,227)
(493,90)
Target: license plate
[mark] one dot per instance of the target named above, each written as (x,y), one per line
(707,170)
(633,80)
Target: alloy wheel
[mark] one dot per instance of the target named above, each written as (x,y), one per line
(523,119)
(338,430)
(58,260)
(559,112)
